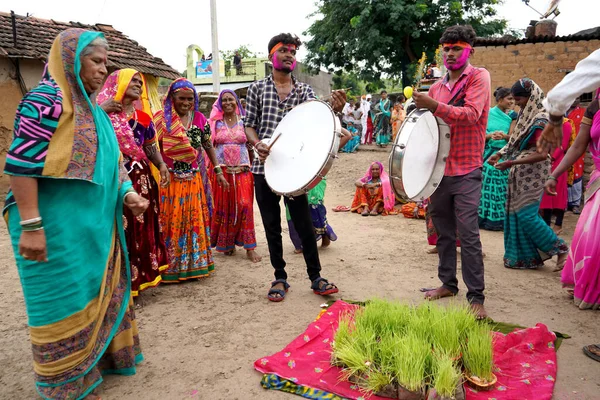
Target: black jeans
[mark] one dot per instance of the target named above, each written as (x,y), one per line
(547,215)
(454,207)
(270,212)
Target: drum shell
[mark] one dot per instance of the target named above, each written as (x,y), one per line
(325,166)
(399,169)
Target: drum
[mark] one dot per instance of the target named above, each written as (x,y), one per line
(305,144)
(419,154)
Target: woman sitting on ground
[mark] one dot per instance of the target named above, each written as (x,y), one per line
(374,194)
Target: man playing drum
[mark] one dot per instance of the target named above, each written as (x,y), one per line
(461,99)
(268,101)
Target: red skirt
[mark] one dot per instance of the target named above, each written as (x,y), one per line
(233,216)
(145,243)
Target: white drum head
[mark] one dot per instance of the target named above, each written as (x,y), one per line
(421,153)
(418,157)
(308,133)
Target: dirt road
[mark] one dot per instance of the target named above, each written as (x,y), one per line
(201,338)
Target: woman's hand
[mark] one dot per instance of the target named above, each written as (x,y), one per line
(165,177)
(503,165)
(221,181)
(111,106)
(32,246)
(550,187)
(136,203)
(498,135)
(493,159)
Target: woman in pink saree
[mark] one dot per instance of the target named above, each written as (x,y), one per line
(582,270)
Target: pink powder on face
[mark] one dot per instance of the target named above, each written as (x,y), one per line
(279,66)
(460,62)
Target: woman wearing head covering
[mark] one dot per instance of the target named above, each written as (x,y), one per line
(493,191)
(582,270)
(528,241)
(233,220)
(184,135)
(64,215)
(374,194)
(556,205)
(382,124)
(398,116)
(125,98)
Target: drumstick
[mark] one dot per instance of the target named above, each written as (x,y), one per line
(273,142)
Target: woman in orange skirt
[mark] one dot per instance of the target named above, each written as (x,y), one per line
(374,194)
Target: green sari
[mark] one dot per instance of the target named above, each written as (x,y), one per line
(79,307)
(493,190)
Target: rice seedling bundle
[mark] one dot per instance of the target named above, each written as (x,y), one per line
(391,344)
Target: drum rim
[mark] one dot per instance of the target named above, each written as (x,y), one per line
(328,161)
(439,167)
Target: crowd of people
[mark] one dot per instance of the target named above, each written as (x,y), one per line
(114,199)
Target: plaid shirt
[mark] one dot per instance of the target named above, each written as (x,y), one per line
(264,110)
(467,117)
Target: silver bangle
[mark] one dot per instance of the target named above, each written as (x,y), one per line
(127,194)
(31,221)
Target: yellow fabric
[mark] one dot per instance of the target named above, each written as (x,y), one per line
(153,95)
(61,145)
(125,76)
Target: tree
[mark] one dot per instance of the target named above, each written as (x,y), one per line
(375,38)
(244,51)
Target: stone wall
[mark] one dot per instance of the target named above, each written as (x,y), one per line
(545,63)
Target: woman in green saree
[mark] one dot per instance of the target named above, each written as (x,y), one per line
(64,215)
(493,191)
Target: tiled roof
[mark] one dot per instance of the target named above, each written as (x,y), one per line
(588,34)
(35,37)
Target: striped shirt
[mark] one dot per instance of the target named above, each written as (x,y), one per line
(467,117)
(264,109)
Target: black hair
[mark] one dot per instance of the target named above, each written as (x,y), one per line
(400,98)
(501,92)
(383,91)
(459,33)
(285,38)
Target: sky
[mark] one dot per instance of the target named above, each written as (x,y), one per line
(167,31)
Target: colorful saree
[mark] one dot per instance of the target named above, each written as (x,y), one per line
(147,251)
(575,176)
(233,220)
(383,128)
(528,240)
(184,204)
(80,318)
(559,202)
(493,190)
(582,270)
(372,198)
(318,212)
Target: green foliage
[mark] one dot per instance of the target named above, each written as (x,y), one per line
(375,38)
(245,52)
(395,343)
(478,352)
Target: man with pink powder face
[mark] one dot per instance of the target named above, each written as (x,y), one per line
(462,100)
(267,102)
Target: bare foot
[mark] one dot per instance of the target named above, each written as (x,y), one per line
(365,212)
(325,241)
(557,230)
(438,293)
(432,250)
(297,251)
(253,256)
(479,311)
(230,252)
(560,262)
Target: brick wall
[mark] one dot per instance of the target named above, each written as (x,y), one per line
(545,63)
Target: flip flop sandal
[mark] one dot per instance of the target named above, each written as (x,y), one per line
(322,290)
(587,352)
(280,292)
(341,208)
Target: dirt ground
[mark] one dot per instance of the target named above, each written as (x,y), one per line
(200,339)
